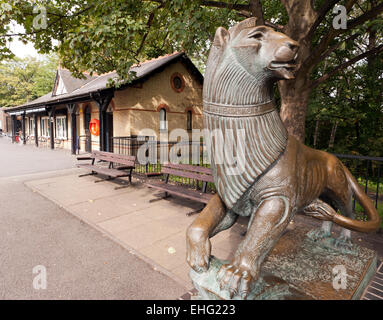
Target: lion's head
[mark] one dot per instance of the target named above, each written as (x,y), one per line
(259,49)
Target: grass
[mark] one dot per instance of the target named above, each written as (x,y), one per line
(371,185)
(359,211)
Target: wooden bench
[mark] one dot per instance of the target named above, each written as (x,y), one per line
(186,171)
(127,164)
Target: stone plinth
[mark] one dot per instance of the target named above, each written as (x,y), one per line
(301,268)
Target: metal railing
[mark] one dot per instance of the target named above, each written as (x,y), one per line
(367,170)
(156,151)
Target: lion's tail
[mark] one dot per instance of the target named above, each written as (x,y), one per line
(363,226)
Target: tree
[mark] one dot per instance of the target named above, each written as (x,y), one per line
(101,36)
(353,100)
(23,80)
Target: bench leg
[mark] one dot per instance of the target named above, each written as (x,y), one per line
(87,174)
(122,187)
(167,195)
(102,180)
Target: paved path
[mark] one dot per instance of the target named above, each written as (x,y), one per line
(154,231)
(81,263)
(18,159)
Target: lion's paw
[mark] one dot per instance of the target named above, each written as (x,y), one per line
(237,280)
(198,251)
(318,234)
(344,244)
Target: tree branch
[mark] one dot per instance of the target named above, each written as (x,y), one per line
(256,10)
(366,16)
(149,25)
(279,27)
(336,46)
(321,15)
(346,64)
(226,5)
(60,17)
(325,41)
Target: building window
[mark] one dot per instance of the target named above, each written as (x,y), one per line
(61,128)
(177,82)
(163,120)
(45,127)
(189,120)
(32,127)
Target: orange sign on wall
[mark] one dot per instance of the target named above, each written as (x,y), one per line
(94,127)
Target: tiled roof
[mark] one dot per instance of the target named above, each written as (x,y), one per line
(78,88)
(71,83)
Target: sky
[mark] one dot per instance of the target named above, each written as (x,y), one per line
(20,49)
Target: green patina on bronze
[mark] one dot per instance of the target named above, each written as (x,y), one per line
(298,268)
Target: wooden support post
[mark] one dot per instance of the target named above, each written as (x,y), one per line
(23,128)
(36,130)
(102,101)
(102,126)
(13,123)
(51,114)
(72,108)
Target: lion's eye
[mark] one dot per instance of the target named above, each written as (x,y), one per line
(256,35)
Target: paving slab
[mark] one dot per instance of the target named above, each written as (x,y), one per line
(81,262)
(151,229)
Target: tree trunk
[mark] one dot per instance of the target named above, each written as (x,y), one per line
(316,132)
(295,96)
(295,93)
(332,136)
(357,132)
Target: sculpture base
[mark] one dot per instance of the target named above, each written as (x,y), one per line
(300,268)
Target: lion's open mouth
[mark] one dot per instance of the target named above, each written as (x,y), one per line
(285,68)
(283,64)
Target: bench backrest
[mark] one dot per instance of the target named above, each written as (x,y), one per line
(188,171)
(115,158)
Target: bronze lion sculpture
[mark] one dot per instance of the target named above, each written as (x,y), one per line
(281,176)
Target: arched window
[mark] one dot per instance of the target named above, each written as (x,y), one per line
(189,120)
(163,123)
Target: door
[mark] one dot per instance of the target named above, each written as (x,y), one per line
(109,132)
(87,118)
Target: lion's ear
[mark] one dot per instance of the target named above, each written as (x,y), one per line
(221,37)
(245,24)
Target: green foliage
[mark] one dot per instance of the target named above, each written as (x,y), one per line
(353,96)
(360,215)
(23,80)
(353,99)
(100,36)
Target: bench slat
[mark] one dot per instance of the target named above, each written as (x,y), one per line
(188,174)
(116,158)
(88,157)
(182,192)
(189,167)
(106,171)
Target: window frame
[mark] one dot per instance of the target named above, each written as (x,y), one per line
(61,134)
(163,122)
(43,128)
(31,126)
(177,75)
(189,120)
